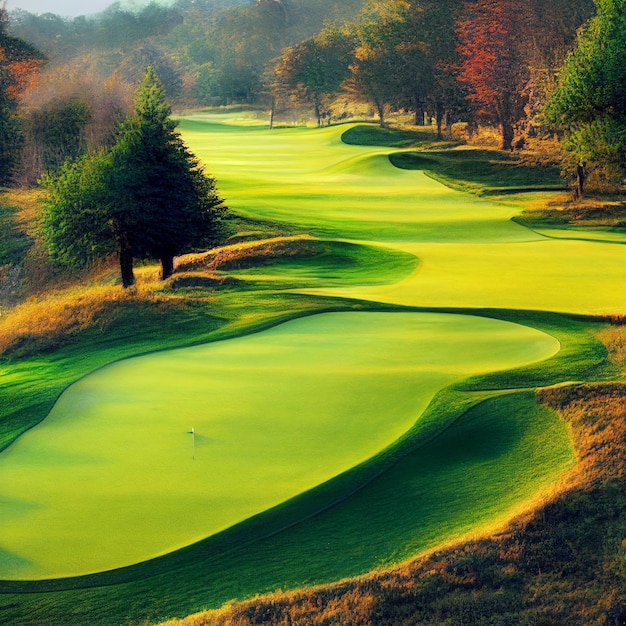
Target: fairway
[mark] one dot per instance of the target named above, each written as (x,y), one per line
(111,478)
(471,253)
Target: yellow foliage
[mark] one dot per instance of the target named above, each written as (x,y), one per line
(228,256)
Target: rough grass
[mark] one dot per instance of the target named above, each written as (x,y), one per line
(13,241)
(588,212)
(297,262)
(486,172)
(249,253)
(482,171)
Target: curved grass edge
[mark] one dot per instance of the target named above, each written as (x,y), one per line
(482,172)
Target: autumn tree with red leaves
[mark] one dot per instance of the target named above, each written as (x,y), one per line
(492,61)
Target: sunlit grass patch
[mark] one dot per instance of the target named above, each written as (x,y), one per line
(375,135)
(47,322)
(295,262)
(381,220)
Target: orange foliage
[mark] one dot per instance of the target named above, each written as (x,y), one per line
(24,75)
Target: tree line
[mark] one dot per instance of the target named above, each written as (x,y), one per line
(477,61)
(471,60)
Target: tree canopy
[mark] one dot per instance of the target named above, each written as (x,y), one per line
(147,196)
(588,102)
(20,63)
(492,64)
(315,69)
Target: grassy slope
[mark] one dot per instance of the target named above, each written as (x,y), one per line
(177,592)
(179,578)
(562,564)
(471,252)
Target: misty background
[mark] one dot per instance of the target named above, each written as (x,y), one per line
(71,8)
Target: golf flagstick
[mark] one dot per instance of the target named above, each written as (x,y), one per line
(193,443)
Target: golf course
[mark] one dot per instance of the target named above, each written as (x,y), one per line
(310,416)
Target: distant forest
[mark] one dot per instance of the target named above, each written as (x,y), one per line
(211,52)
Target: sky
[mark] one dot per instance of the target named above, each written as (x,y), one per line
(69,8)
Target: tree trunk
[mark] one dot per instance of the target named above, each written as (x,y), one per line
(126,261)
(381,114)
(419,111)
(507,135)
(439,116)
(318,115)
(167,266)
(505,122)
(273,112)
(581,177)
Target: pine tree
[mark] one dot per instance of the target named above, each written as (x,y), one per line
(148,189)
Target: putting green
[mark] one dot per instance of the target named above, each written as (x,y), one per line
(471,253)
(109,477)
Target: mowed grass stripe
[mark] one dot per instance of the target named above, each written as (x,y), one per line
(262,553)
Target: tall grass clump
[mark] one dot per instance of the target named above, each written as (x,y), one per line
(47,322)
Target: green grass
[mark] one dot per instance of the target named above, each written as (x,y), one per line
(331,263)
(482,439)
(13,242)
(471,253)
(482,171)
(370,135)
(275,413)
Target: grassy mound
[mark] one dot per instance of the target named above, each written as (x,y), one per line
(370,135)
(481,171)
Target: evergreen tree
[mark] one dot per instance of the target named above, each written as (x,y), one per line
(589,100)
(148,196)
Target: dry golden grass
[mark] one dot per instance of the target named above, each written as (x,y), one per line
(228,257)
(614,338)
(27,202)
(50,318)
(45,322)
